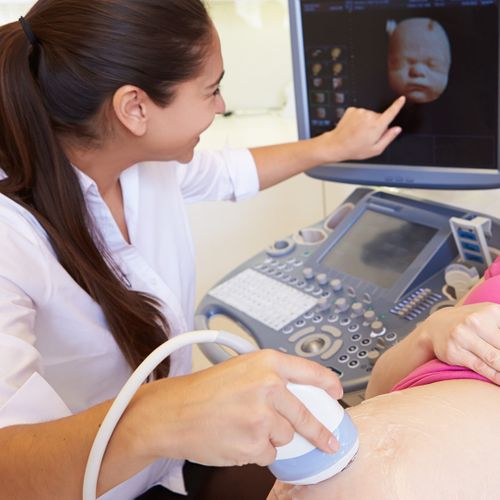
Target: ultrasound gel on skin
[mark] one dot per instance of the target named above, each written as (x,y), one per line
(300,462)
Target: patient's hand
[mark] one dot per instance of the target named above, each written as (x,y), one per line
(282,491)
(467,335)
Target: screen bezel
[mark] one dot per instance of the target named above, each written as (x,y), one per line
(406,209)
(415,176)
(385,219)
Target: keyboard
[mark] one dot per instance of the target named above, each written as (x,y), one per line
(264,299)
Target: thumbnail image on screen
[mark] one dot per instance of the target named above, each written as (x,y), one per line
(441,54)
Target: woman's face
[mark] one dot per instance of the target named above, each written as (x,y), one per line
(419,60)
(175,130)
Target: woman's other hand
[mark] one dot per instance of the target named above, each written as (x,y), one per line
(467,335)
(360,134)
(234,413)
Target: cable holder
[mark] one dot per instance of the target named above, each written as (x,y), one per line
(471,239)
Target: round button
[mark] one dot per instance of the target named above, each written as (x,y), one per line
(333,318)
(352,349)
(377,327)
(323,304)
(369,315)
(309,315)
(309,288)
(308,273)
(344,358)
(362,354)
(314,345)
(322,279)
(300,323)
(391,336)
(280,248)
(353,328)
(281,244)
(317,319)
(336,284)
(373,356)
(287,330)
(366,342)
(356,337)
(353,364)
(351,292)
(345,321)
(357,309)
(341,304)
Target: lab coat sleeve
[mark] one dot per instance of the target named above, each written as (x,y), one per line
(230,174)
(25,396)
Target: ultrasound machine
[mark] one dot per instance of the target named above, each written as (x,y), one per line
(345,289)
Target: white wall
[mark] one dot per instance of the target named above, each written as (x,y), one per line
(10,10)
(255,39)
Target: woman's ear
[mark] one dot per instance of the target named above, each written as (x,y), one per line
(130,105)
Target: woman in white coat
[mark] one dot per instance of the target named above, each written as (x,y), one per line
(101,105)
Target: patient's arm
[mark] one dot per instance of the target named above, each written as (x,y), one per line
(439,441)
(464,335)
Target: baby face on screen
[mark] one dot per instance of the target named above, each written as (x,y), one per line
(419,59)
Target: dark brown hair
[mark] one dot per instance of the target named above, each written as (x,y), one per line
(86,50)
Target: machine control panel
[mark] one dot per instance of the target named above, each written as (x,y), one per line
(344,290)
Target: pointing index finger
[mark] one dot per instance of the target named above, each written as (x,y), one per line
(301,371)
(392,111)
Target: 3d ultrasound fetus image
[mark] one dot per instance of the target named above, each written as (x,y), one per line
(419,59)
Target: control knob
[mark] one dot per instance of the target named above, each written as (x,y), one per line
(308,273)
(373,356)
(336,284)
(322,279)
(341,305)
(369,315)
(378,328)
(357,309)
(324,304)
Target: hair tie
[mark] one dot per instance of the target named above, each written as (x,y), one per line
(27,31)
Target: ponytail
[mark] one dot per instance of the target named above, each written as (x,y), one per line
(39,174)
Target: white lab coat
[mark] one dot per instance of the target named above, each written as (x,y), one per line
(57,356)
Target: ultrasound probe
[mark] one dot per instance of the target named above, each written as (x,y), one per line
(298,462)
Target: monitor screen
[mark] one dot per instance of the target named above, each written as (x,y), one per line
(379,248)
(441,54)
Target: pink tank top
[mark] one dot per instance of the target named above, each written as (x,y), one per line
(435,370)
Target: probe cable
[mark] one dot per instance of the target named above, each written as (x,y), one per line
(238,344)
